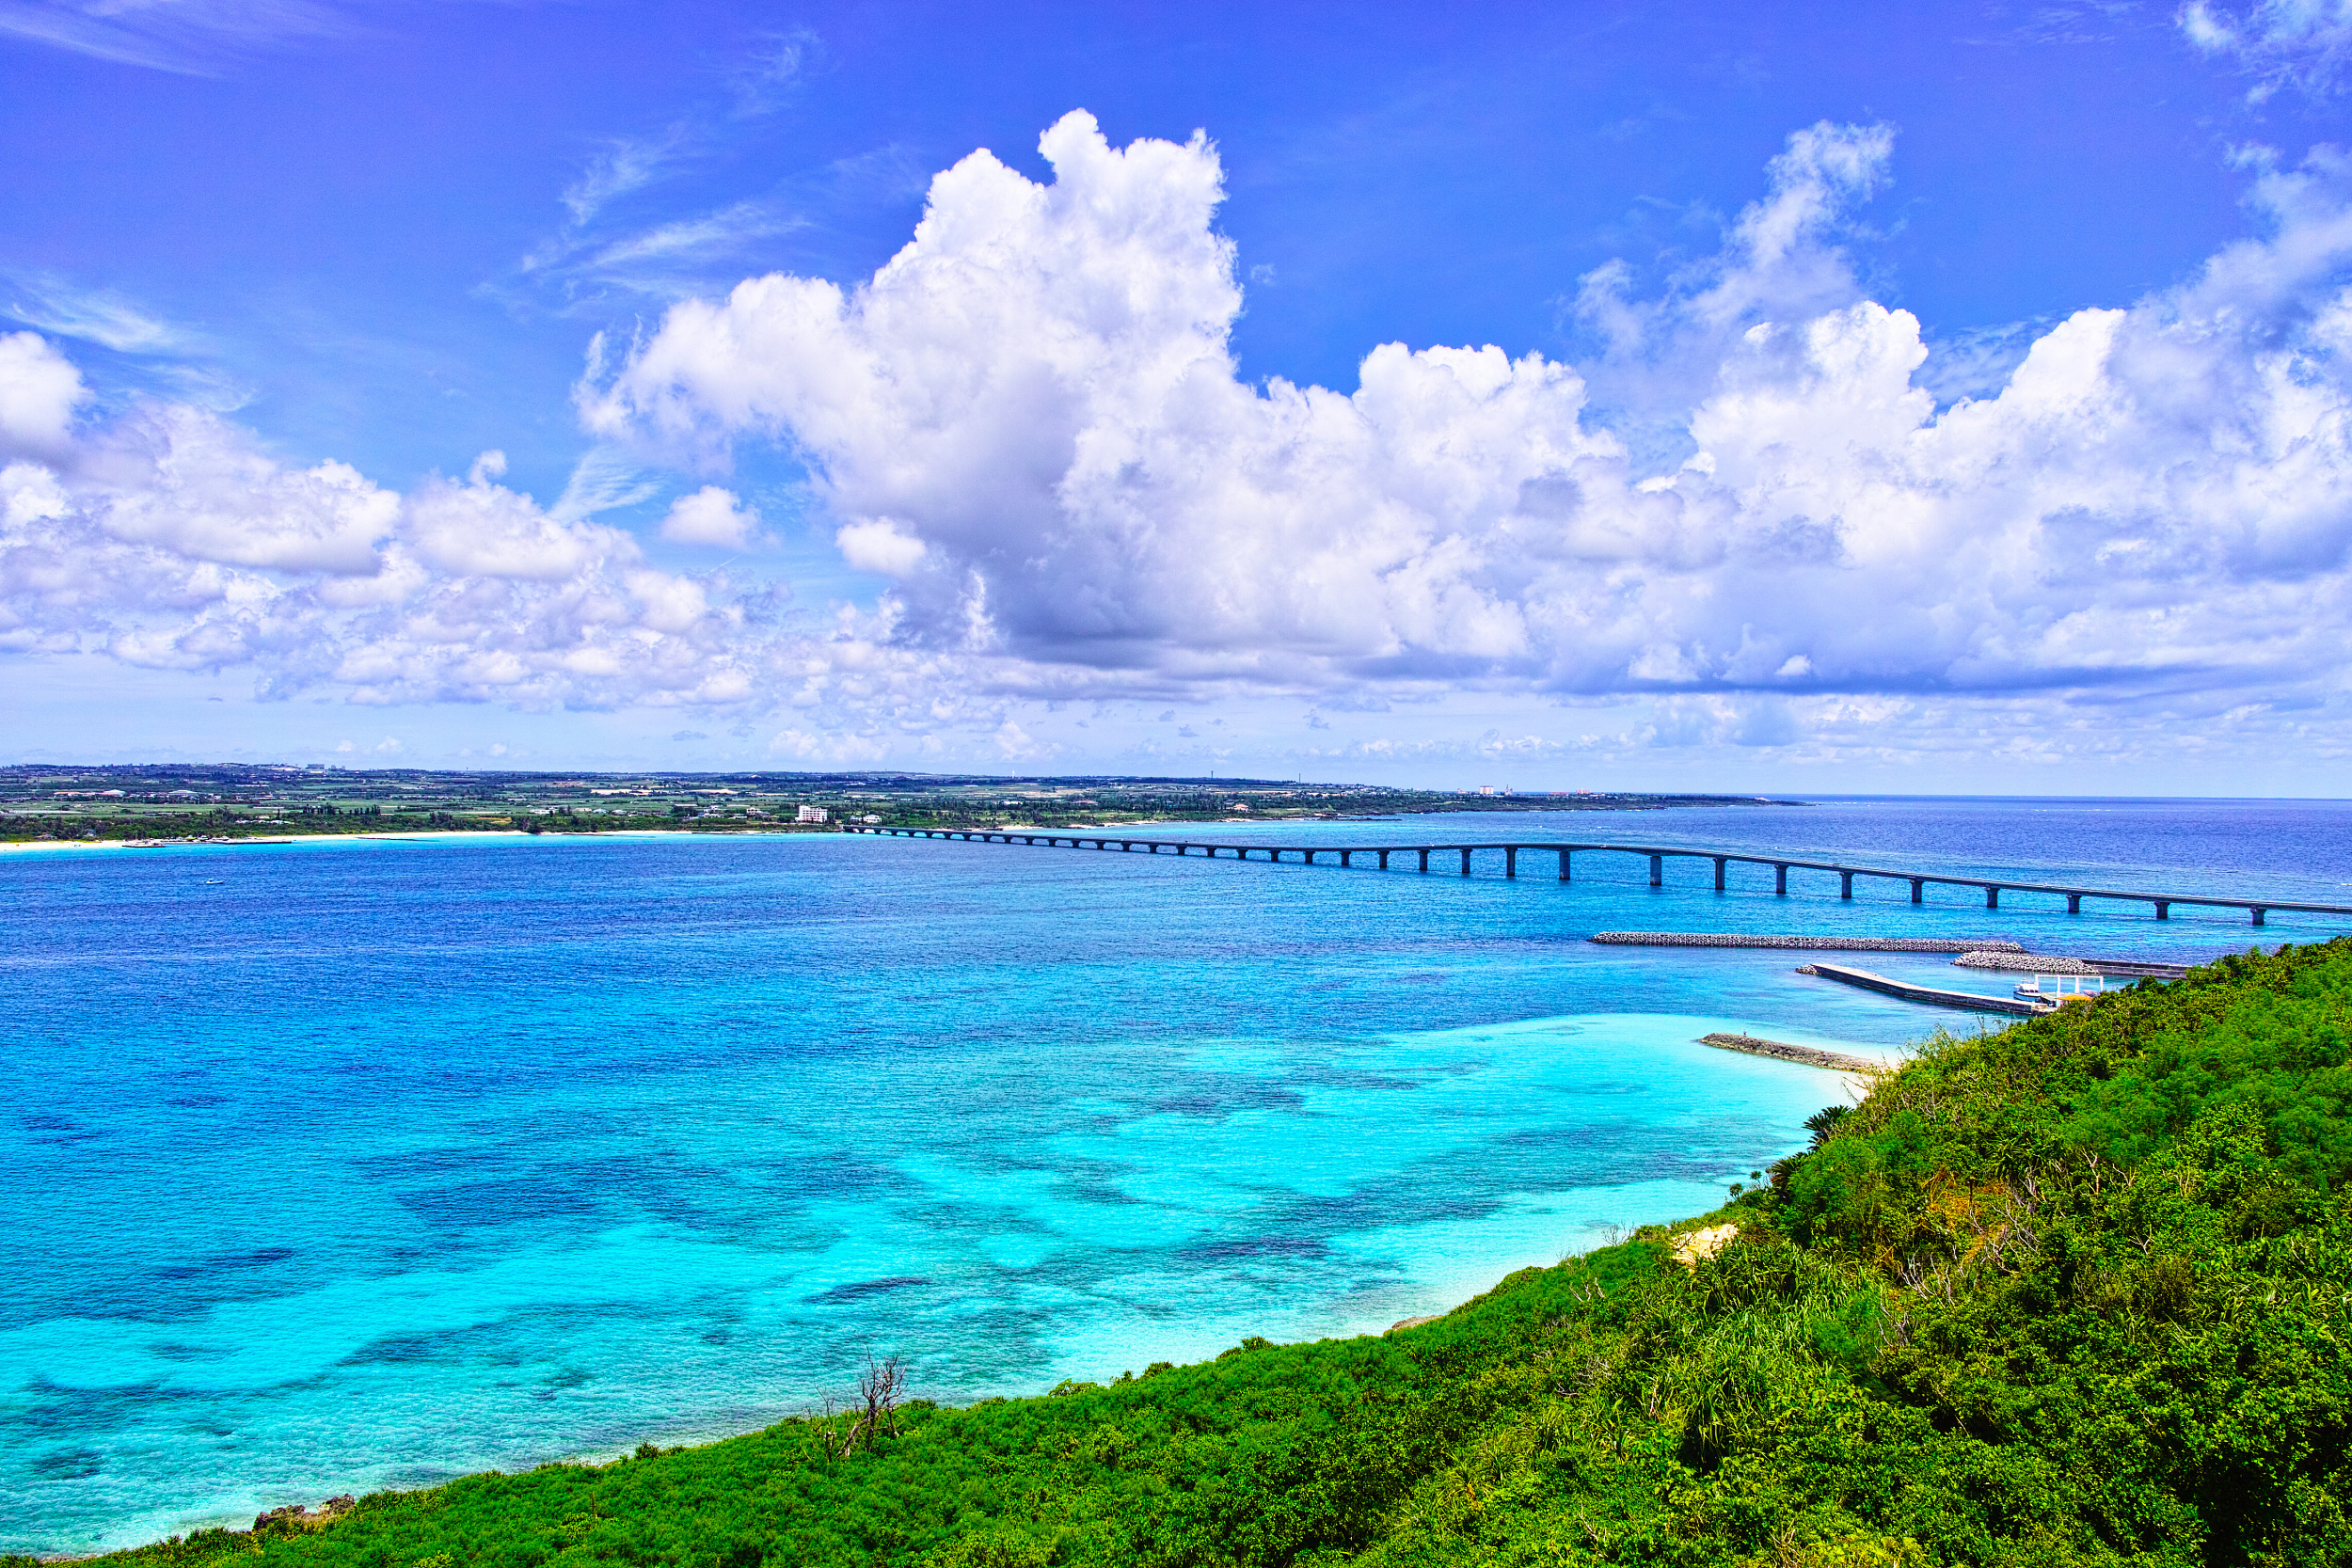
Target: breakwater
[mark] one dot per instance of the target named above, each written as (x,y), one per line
(2026,963)
(1933,995)
(1825,944)
(1809,1055)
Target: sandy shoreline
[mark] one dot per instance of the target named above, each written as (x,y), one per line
(430,836)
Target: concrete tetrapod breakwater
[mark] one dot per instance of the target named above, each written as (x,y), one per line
(1826,944)
(1659,854)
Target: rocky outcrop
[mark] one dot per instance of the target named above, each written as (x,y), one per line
(1694,1247)
(296,1516)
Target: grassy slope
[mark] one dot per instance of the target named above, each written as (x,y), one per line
(2076,1293)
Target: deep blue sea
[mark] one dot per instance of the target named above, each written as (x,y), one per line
(346,1165)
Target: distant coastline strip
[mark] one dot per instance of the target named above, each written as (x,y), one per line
(1847,944)
(1756,1045)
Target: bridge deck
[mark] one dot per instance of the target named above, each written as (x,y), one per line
(1659,854)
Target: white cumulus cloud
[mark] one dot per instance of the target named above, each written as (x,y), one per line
(39,390)
(711,516)
(1747,515)
(1031,417)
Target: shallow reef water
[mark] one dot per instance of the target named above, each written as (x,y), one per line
(344,1166)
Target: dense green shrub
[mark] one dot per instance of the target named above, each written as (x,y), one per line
(2073,1294)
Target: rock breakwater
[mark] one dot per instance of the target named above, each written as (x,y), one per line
(1756,1045)
(1827,945)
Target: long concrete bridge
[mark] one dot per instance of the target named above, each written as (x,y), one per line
(1348,855)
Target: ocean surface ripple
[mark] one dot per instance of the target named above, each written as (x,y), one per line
(346,1165)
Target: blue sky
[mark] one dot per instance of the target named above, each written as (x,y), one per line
(1779,501)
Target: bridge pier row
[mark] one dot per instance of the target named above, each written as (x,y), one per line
(1780,880)
(2259,911)
(1511,861)
(1992,897)
(1564,866)
(2164,909)
(1424,859)
(1918,890)
(1466,862)
(2074,906)
(1718,873)
(1845,884)
(1658,871)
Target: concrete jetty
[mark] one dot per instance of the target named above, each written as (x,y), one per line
(1564,854)
(1933,996)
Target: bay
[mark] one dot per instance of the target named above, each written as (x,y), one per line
(352,1165)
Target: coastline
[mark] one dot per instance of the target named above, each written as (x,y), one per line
(410,836)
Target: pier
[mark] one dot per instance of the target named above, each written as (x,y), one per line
(1416,857)
(1934,996)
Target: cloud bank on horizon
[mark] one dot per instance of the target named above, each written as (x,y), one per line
(1746,510)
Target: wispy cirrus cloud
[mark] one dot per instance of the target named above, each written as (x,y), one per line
(2304,44)
(52,304)
(165,356)
(610,241)
(192,38)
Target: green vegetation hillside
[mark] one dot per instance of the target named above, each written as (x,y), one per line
(2077,1293)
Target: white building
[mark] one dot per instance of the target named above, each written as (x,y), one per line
(810,814)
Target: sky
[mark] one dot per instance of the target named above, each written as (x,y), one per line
(1928,398)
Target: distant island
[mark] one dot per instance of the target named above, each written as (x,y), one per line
(42,802)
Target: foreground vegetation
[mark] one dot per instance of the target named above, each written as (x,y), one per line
(2073,1294)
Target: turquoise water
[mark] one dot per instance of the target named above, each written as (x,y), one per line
(358,1164)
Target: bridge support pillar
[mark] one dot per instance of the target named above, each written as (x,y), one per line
(1658,871)
(2258,914)
(1718,873)
(1424,859)
(1384,859)
(1780,880)
(2075,904)
(1511,860)
(1991,895)
(1845,884)
(2164,909)
(1466,862)
(1564,866)
(1918,890)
